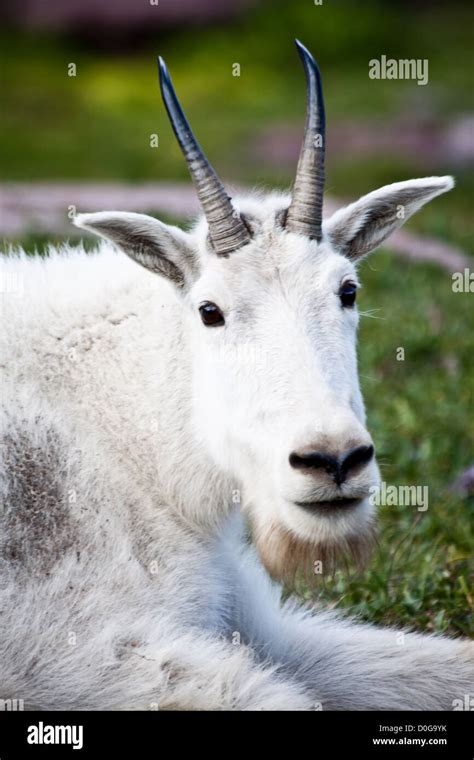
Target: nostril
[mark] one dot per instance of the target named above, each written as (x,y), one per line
(355,457)
(313,460)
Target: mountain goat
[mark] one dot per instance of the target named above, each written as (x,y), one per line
(181,435)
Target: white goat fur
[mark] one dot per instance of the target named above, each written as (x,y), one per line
(127,581)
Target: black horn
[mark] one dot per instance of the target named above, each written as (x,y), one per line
(226,228)
(305,213)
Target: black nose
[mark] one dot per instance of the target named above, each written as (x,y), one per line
(338,467)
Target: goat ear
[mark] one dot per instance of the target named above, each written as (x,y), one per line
(362,226)
(161,248)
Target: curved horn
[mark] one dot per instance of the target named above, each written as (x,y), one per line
(226,229)
(305,213)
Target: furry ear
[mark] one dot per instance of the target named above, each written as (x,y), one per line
(362,226)
(161,248)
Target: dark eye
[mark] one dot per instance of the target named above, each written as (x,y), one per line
(211,315)
(348,293)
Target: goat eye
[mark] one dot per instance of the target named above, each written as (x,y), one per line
(211,315)
(348,293)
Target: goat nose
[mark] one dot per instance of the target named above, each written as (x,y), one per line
(338,467)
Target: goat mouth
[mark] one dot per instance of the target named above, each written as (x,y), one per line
(329,507)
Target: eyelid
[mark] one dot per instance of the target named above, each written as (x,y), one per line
(206,301)
(349,283)
(210,303)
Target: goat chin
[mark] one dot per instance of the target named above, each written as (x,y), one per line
(289,557)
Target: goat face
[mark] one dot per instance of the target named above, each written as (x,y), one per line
(276,393)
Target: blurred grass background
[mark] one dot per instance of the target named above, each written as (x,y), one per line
(96,126)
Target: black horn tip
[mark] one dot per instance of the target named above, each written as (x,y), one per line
(307,58)
(302,49)
(176,116)
(163,73)
(166,86)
